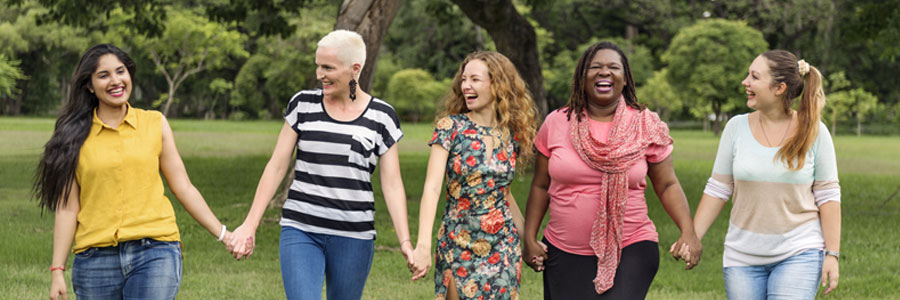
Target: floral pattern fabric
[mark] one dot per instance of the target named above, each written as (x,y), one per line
(478,244)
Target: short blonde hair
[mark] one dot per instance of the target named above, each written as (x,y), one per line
(350,47)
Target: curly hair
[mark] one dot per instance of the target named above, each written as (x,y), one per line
(514,108)
(578,98)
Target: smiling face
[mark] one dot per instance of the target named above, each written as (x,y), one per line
(476,86)
(111,82)
(761,93)
(605,77)
(334,74)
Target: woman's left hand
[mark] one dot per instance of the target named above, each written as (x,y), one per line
(830,273)
(690,249)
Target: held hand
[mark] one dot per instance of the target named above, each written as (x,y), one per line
(689,249)
(243,242)
(58,288)
(421,262)
(535,254)
(830,273)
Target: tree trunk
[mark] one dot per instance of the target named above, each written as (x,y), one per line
(169,99)
(371,19)
(717,110)
(514,37)
(858,125)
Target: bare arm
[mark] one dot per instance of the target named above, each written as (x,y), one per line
(517,218)
(668,189)
(243,239)
(535,209)
(830,214)
(395,198)
(434,179)
(176,176)
(707,212)
(65,224)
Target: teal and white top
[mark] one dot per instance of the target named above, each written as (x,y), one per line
(775,213)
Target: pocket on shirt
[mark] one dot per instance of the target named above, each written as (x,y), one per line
(361,149)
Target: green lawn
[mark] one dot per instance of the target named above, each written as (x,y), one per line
(225,160)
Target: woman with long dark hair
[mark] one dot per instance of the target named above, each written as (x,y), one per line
(594,156)
(100,174)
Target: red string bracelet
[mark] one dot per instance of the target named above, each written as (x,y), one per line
(63,268)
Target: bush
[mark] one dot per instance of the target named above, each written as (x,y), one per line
(415,94)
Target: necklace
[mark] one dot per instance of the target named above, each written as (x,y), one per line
(782,136)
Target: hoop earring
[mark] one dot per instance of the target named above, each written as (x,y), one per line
(352,89)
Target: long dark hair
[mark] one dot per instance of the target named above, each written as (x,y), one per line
(578,101)
(784,68)
(55,173)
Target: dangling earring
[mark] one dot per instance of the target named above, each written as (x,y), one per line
(352,89)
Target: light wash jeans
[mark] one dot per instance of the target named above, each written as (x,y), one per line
(309,258)
(794,278)
(138,269)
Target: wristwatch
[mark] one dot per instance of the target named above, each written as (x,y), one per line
(836,254)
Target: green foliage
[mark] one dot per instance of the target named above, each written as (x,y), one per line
(659,95)
(47,54)
(9,73)
(433,35)
(189,44)
(281,67)
(708,60)
(261,17)
(148,16)
(877,24)
(844,102)
(414,94)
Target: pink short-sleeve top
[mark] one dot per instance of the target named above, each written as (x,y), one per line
(575,186)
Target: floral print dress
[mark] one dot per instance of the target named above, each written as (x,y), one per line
(478,244)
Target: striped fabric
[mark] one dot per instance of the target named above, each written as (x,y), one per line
(775,211)
(332,188)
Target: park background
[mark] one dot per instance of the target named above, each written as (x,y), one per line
(223,71)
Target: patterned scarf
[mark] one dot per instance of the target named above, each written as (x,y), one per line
(626,144)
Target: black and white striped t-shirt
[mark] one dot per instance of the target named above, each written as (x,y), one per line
(332,188)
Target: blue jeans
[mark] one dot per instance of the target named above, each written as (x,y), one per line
(138,269)
(794,278)
(307,259)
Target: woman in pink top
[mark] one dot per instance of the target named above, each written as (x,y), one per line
(594,155)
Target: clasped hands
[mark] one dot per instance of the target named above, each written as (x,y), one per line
(687,249)
(240,242)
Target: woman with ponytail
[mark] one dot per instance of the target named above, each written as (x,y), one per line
(100,174)
(777,164)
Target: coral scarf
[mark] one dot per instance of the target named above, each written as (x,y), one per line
(627,143)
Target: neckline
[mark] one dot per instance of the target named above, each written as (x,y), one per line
(750,130)
(363,113)
(473,122)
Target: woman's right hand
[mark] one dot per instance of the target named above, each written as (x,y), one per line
(422,262)
(58,288)
(243,241)
(535,254)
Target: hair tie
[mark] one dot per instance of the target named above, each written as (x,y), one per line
(803,67)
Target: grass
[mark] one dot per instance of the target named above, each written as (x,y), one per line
(225,159)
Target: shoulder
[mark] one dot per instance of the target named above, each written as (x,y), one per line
(149,116)
(556,116)
(305,96)
(380,105)
(737,122)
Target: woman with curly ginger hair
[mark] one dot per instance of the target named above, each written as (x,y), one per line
(487,125)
